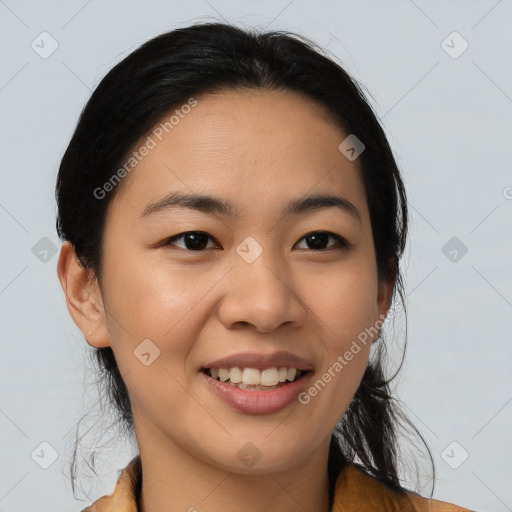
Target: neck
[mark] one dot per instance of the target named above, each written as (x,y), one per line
(176,481)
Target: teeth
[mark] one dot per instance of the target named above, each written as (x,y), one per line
(255,388)
(269,377)
(223,374)
(291,374)
(251,376)
(235,375)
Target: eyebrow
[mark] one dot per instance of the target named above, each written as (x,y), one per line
(211,205)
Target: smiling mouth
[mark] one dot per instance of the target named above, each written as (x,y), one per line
(253,379)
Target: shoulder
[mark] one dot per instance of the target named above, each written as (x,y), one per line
(357,491)
(125,495)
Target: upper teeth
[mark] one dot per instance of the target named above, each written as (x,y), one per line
(253,376)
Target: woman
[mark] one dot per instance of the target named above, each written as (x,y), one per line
(233,221)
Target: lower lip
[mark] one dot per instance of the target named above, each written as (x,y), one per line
(258,402)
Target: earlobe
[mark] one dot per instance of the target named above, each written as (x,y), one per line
(83,297)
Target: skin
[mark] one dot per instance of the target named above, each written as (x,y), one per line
(257,149)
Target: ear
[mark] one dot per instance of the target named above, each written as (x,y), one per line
(83,297)
(386,287)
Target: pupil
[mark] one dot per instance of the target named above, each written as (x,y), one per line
(196,241)
(319,241)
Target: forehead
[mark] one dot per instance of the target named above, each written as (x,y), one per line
(255,148)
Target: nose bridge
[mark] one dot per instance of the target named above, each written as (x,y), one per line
(259,291)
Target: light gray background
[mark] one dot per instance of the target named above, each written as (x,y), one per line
(449,123)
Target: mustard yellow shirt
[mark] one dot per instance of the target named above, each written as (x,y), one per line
(355,491)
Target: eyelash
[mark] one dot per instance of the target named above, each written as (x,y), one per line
(342,243)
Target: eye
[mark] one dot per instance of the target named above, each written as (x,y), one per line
(319,239)
(193,240)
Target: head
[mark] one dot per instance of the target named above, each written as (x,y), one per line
(257,122)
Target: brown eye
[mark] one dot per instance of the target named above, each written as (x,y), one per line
(316,241)
(319,241)
(192,240)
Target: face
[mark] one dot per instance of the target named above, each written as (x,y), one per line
(249,283)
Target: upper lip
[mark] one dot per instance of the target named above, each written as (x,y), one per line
(261,361)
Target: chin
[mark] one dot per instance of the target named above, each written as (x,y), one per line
(259,458)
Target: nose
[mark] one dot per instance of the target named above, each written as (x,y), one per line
(260,294)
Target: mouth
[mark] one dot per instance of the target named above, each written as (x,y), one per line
(254,379)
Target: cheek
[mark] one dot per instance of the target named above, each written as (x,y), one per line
(165,304)
(345,305)
(344,299)
(151,300)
